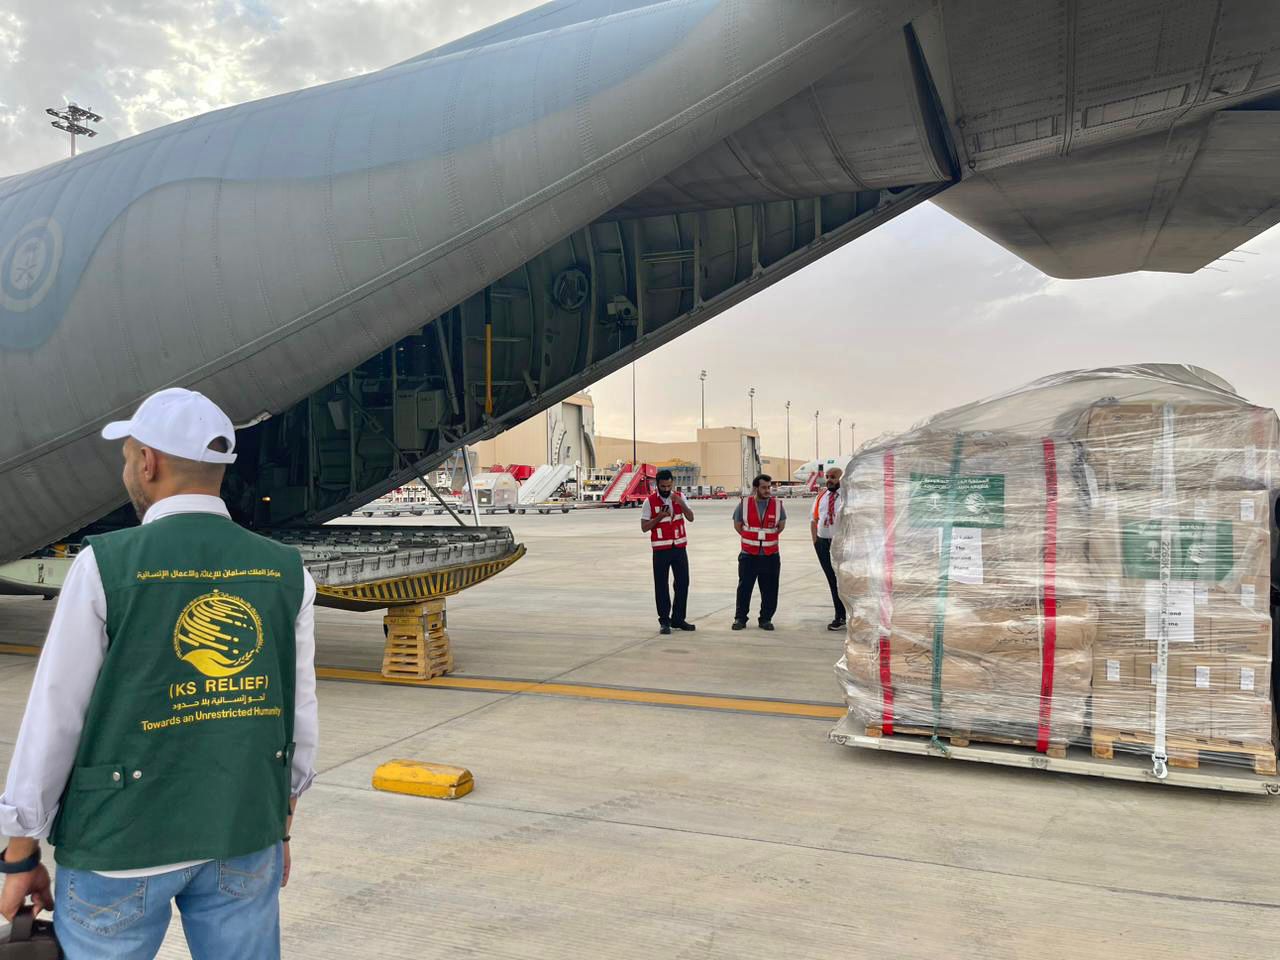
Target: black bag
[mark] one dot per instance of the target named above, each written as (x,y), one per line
(30,939)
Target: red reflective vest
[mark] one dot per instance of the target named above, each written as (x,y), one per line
(669,533)
(760,534)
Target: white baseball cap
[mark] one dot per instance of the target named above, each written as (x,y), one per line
(181,423)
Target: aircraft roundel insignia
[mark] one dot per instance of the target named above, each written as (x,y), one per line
(28,265)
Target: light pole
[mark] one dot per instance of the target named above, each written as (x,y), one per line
(751,401)
(815,435)
(839,436)
(853,432)
(702,377)
(634,459)
(790,472)
(73,120)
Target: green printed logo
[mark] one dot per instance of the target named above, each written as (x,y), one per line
(1202,549)
(979,501)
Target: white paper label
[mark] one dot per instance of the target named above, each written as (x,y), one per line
(1202,594)
(1247,512)
(1202,509)
(966,555)
(1202,678)
(1246,678)
(1181,612)
(1113,671)
(1248,594)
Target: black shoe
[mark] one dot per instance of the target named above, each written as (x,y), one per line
(766,624)
(835,625)
(685,625)
(739,625)
(664,629)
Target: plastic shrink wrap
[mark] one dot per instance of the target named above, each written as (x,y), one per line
(1019,570)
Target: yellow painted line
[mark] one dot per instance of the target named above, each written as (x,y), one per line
(21,649)
(699,701)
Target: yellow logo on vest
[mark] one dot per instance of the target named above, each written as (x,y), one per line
(219,634)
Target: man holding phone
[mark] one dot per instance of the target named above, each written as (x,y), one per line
(663,517)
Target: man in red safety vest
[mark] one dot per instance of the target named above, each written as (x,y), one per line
(759,520)
(663,517)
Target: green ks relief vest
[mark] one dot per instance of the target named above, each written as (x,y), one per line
(188,738)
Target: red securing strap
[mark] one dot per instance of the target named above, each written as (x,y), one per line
(886,599)
(1049,655)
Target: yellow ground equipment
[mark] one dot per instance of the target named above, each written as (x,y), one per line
(420,779)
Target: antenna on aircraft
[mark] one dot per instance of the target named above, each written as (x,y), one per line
(73,120)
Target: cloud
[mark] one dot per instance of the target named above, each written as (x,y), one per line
(922,314)
(144,63)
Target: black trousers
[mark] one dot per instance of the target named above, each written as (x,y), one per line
(823,549)
(667,563)
(765,570)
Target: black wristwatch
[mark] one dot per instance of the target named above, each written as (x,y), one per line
(19,866)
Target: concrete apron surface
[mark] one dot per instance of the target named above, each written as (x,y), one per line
(625,830)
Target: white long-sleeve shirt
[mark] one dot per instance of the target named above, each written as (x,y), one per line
(68,670)
(826,513)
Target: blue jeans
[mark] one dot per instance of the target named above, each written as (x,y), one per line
(230,909)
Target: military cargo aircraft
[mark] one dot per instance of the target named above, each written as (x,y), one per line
(370,273)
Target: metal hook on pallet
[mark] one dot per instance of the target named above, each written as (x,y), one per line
(1160,767)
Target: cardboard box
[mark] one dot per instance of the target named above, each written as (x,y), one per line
(1242,634)
(1239,675)
(980,694)
(1211,619)
(1189,715)
(1248,721)
(1114,672)
(1207,695)
(989,507)
(993,629)
(1214,444)
(1212,544)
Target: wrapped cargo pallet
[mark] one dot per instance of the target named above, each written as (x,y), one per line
(1086,559)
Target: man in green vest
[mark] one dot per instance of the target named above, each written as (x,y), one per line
(172,721)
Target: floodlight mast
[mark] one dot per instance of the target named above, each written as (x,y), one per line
(74,119)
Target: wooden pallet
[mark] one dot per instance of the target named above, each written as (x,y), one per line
(1186,751)
(958,738)
(417,647)
(412,662)
(435,623)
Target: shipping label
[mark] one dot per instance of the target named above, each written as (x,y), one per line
(1181,611)
(979,501)
(966,555)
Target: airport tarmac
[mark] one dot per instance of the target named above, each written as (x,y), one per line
(606,828)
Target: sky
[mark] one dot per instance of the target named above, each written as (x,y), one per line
(920,315)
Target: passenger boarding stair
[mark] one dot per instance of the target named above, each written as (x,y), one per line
(631,485)
(543,483)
